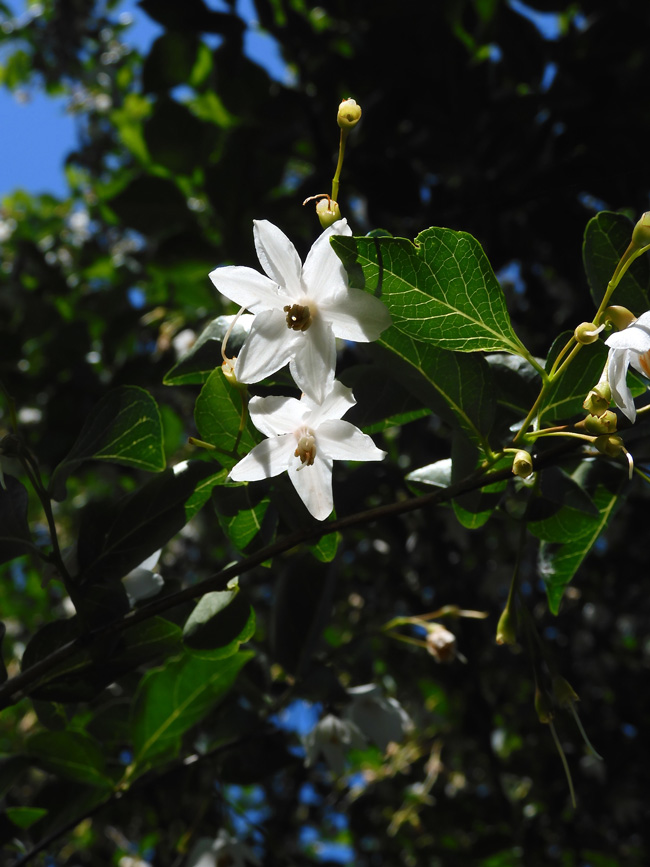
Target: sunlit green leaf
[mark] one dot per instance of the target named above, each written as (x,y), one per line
(219,415)
(221,621)
(607,236)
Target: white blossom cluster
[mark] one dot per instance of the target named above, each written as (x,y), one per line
(299,311)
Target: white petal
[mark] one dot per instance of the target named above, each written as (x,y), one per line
(336,403)
(323,274)
(269,458)
(247,287)
(356,315)
(314,485)
(142,584)
(342,441)
(268,347)
(278,257)
(276,415)
(618,362)
(635,336)
(312,366)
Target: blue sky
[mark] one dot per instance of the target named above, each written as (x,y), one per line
(36,135)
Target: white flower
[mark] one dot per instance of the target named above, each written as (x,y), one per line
(381,719)
(304,438)
(631,346)
(332,737)
(224,851)
(142,582)
(304,308)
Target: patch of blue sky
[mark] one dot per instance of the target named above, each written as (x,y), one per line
(300,717)
(548,24)
(511,274)
(38,131)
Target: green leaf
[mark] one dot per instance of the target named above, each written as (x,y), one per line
(123,428)
(218,414)
(457,387)
(221,621)
(440,288)
(607,237)
(243,512)
(70,754)
(25,817)
(568,534)
(172,699)
(382,400)
(326,547)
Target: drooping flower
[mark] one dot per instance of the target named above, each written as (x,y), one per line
(304,438)
(332,737)
(304,308)
(379,718)
(631,346)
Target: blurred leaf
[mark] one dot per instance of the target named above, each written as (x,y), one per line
(3,667)
(172,699)
(70,754)
(218,415)
(440,288)
(142,522)
(151,205)
(15,537)
(25,817)
(242,511)
(176,139)
(123,428)
(607,237)
(221,621)
(170,61)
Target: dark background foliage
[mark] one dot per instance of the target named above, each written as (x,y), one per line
(474,118)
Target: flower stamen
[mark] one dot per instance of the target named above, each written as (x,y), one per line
(306,449)
(298,317)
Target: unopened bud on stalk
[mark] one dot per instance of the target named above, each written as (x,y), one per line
(620,317)
(610,445)
(349,114)
(543,706)
(441,643)
(564,693)
(506,633)
(587,332)
(522,465)
(602,424)
(328,212)
(641,233)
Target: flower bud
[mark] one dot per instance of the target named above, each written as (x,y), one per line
(598,399)
(602,424)
(641,232)
(564,693)
(543,706)
(587,332)
(506,633)
(441,643)
(609,445)
(228,370)
(620,317)
(349,114)
(328,212)
(522,465)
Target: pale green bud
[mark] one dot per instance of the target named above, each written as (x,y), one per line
(609,445)
(641,233)
(587,332)
(602,424)
(349,114)
(522,465)
(598,399)
(564,693)
(506,632)
(620,317)
(328,212)
(543,706)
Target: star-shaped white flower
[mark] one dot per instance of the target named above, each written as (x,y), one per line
(631,346)
(305,438)
(299,309)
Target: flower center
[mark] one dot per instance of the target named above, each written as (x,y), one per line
(306,449)
(298,317)
(644,362)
